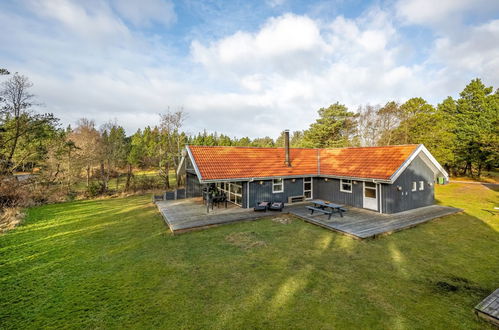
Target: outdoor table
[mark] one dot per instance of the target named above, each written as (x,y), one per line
(318,204)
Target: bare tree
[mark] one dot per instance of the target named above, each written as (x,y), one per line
(87,141)
(172,142)
(389,119)
(369,125)
(19,122)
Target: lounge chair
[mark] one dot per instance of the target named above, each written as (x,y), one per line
(276,206)
(262,206)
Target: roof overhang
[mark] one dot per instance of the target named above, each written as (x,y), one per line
(193,161)
(421,149)
(428,158)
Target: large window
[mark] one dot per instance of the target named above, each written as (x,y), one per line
(346,185)
(277,186)
(414,186)
(233,191)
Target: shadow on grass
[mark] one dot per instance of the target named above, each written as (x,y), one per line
(121,267)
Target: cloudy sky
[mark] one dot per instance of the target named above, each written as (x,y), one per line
(244,68)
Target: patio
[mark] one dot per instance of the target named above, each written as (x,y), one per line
(361,223)
(190,214)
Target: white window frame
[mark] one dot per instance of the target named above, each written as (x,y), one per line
(421,185)
(350,183)
(281,183)
(311,187)
(414,186)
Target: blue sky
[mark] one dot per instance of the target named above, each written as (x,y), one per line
(244,68)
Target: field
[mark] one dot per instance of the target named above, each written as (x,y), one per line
(112,263)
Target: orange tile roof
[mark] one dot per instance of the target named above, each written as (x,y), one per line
(369,162)
(251,162)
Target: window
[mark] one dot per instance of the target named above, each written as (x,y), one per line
(277,186)
(421,185)
(346,185)
(414,186)
(307,188)
(233,191)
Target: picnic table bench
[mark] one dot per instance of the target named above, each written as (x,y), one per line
(326,208)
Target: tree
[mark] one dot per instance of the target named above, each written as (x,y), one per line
(114,150)
(336,127)
(369,125)
(408,114)
(388,118)
(477,113)
(172,142)
(88,143)
(23,133)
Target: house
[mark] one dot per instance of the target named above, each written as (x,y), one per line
(387,179)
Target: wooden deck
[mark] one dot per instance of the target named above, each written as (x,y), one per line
(488,308)
(361,223)
(190,214)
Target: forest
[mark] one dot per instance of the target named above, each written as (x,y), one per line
(41,161)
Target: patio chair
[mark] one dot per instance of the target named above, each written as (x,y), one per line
(276,206)
(261,206)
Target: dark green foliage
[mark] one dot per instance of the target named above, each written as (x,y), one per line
(336,127)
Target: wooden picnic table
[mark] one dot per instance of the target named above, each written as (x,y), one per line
(326,208)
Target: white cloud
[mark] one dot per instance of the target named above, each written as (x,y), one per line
(441,12)
(94,22)
(288,43)
(145,12)
(85,61)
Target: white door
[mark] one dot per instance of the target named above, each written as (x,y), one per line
(370,196)
(307,188)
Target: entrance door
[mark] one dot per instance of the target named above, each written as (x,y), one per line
(370,196)
(307,188)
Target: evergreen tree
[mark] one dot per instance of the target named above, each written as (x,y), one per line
(336,127)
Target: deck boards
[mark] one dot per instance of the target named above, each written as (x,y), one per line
(363,224)
(489,308)
(189,214)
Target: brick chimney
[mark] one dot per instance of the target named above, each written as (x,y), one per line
(286,148)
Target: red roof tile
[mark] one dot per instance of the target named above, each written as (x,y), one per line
(370,162)
(251,162)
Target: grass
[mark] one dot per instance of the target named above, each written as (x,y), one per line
(112,264)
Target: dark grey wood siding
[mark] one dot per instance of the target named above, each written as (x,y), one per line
(394,201)
(263,192)
(245,195)
(192,185)
(330,191)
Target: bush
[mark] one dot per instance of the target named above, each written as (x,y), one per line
(95,189)
(9,218)
(12,194)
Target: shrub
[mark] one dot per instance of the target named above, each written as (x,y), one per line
(96,189)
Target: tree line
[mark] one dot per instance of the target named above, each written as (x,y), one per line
(461,133)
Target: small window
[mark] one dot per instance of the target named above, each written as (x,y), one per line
(277,186)
(414,186)
(421,185)
(346,186)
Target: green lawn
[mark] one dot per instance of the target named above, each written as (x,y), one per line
(112,263)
